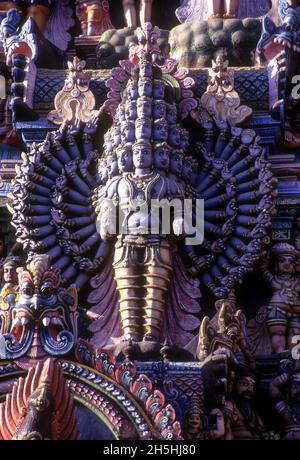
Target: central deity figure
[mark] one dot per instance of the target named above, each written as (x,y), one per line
(125,220)
(142,261)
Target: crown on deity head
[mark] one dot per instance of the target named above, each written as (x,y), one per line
(141,143)
(284,249)
(123,147)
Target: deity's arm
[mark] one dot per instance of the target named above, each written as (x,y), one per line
(229,416)
(264,267)
(198,263)
(246,352)
(261,427)
(175,195)
(276,394)
(84,232)
(109,208)
(102,253)
(78,250)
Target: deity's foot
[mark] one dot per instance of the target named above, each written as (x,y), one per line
(229,16)
(150,338)
(215,16)
(21,111)
(148,351)
(131,338)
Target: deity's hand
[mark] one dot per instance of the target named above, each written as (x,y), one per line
(63,233)
(88,265)
(178,226)
(91,126)
(71,167)
(61,182)
(105,224)
(201,263)
(71,248)
(85,265)
(221,292)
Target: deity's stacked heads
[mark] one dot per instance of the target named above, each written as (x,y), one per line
(147,123)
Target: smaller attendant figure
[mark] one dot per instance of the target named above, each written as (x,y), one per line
(242,421)
(230,335)
(131,13)
(283,311)
(10,275)
(285,391)
(94,16)
(201,427)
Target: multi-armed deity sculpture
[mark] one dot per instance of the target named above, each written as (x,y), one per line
(147,160)
(128,234)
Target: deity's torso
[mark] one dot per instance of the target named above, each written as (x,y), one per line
(136,196)
(239,426)
(286,293)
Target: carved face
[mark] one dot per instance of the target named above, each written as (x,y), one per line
(161,158)
(120,115)
(142,157)
(112,166)
(144,108)
(172,115)
(176,164)
(143,128)
(175,137)
(41,318)
(116,138)
(159,90)
(103,173)
(286,264)
(159,109)
(130,111)
(160,131)
(10,274)
(145,87)
(193,423)
(184,141)
(125,161)
(128,132)
(132,91)
(245,387)
(146,69)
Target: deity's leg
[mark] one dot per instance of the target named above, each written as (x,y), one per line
(130,13)
(130,280)
(84,20)
(158,275)
(215,9)
(231,7)
(278,337)
(40,14)
(145,11)
(95,14)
